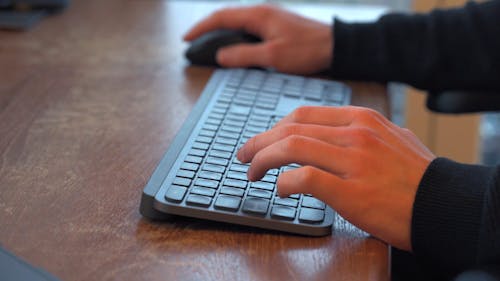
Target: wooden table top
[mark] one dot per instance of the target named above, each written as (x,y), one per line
(89,102)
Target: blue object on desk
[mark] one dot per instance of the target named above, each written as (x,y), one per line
(13,268)
(23,14)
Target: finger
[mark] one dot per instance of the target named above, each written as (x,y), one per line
(340,136)
(324,186)
(336,116)
(301,150)
(244,55)
(321,115)
(230,18)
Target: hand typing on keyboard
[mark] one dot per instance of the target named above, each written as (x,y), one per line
(354,159)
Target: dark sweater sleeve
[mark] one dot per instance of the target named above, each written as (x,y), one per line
(456,217)
(456,49)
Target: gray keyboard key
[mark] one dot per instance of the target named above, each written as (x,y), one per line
(213,168)
(216,116)
(312,203)
(219,110)
(237,175)
(198,200)
(221,104)
(203,191)
(210,175)
(197,152)
(204,139)
(283,212)
(232,129)
(226,202)
(185,174)
(316,96)
(235,183)
(212,121)
(236,117)
(255,205)
(207,133)
(182,181)
(259,120)
(239,110)
(335,95)
(263,185)
(239,168)
(234,123)
(210,127)
(232,191)
(227,148)
(217,161)
(229,135)
(249,135)
(286,201)
(193,159)
(221,154)
(269,178)
(200,145)
(260,193)
(175,193)
(266,105)
(311,215)
(189,166)
(232,142)
(255,129)
(292,93)
(243,102)
(273,172)
(207,183)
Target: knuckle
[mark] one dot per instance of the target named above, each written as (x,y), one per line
(264,10)
(408,132)
(364,136)
(300,113)
(271,51)
(307,174)
(251,145)
(289,130)
(368,115)
(292,143)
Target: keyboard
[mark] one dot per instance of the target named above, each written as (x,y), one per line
(200,177)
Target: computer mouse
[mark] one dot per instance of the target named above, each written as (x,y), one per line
(203,49)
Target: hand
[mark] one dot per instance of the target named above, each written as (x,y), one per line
(355,160)
(290,43)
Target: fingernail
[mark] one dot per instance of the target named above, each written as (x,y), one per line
(250,176)
(241,156)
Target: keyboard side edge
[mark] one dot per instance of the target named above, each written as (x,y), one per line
(152,187)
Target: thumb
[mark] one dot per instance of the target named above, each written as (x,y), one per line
(244,55)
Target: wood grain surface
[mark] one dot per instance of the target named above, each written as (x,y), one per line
(90,99)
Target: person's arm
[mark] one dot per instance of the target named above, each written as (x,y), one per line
(456,217)
(457,49)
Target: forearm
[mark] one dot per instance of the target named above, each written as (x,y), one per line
(456,217)
(445,49)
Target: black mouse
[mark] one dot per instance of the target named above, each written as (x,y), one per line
(203,49)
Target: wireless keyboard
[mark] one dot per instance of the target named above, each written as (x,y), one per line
(200,177)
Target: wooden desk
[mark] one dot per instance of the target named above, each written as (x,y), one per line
(89,102)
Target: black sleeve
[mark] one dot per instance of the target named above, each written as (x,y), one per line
(456,49)
(456,218)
